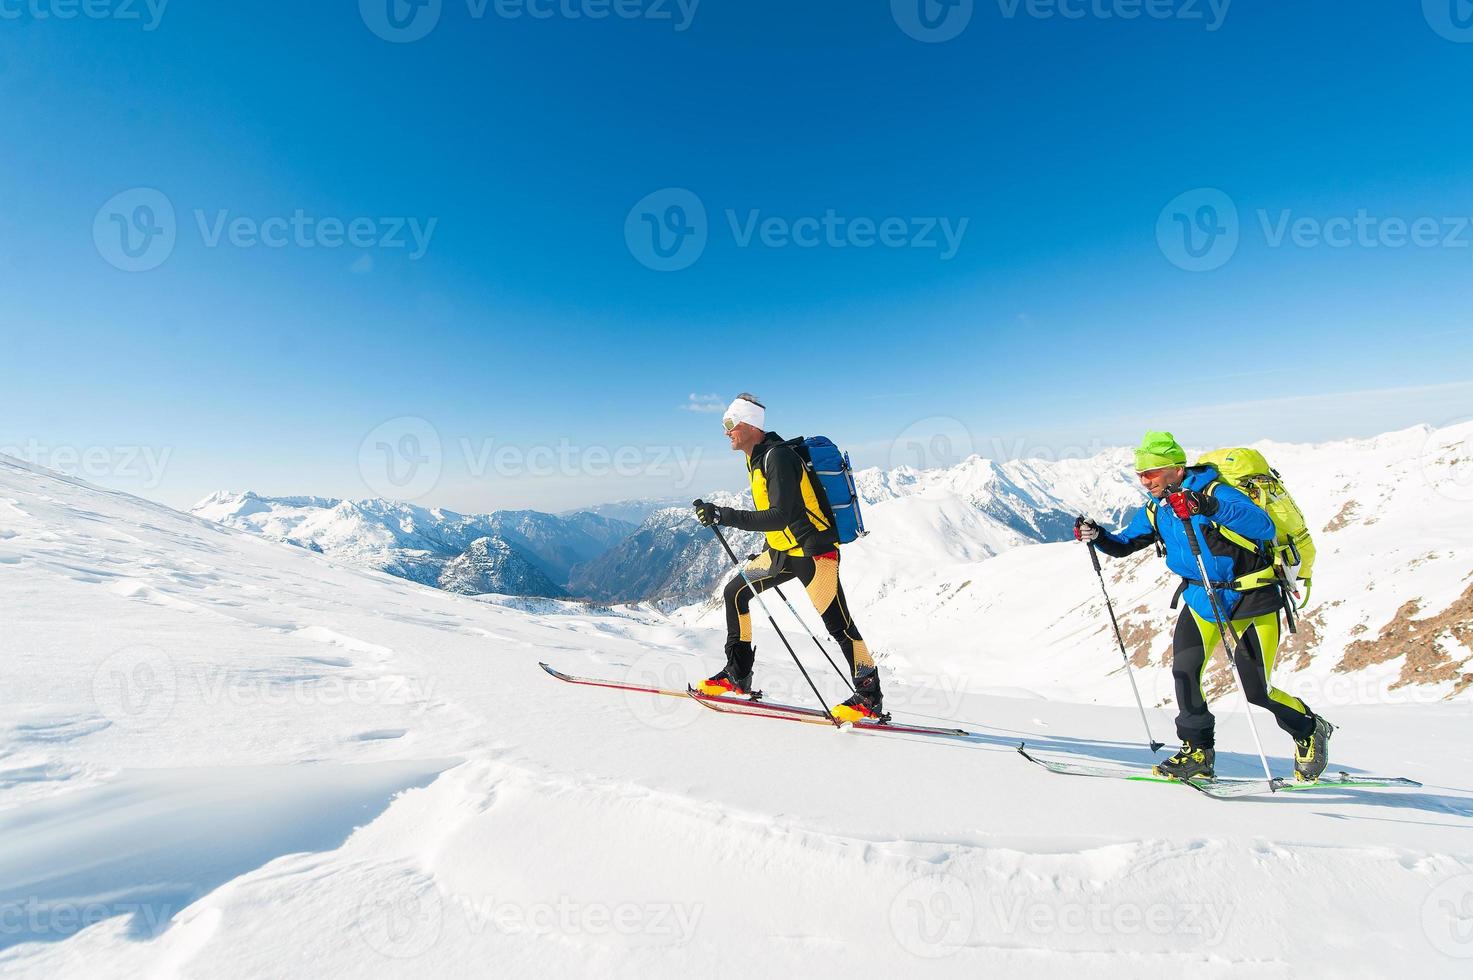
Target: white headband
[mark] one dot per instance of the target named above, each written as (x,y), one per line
(742,410)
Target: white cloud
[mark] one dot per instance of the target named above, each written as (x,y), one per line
(704,403)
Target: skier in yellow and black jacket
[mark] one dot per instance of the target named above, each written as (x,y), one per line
(801,544)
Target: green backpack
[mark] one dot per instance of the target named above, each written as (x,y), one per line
(1247,470)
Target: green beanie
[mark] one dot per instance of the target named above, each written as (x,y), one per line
(1159,449)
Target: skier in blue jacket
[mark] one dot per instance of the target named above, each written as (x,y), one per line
(1231,532)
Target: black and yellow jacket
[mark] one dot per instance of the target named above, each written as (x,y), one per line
(788,506)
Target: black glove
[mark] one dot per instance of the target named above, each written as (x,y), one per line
(709,514)
(1189,503)
(1086,530)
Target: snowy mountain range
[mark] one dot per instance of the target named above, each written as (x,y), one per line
(985,508)
(668,557)
(491,564)
(519,552)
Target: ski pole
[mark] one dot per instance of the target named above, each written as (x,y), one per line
(1095,560)
(791,652)
(1225,628)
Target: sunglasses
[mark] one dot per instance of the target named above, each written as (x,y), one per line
(728,424)
(1152,474)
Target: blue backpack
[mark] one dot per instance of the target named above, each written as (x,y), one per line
(834,479)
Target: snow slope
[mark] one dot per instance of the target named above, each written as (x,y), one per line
(221,756)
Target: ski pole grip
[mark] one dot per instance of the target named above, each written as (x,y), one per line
(1191,528)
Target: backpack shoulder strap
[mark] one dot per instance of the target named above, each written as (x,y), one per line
(1155,531)
(1231,535)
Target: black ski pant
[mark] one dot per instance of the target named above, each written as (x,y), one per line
(820,578)
(1191,650)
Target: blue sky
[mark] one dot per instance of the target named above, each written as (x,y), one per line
(1317,152)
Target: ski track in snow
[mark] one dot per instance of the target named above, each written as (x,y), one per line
(235,758)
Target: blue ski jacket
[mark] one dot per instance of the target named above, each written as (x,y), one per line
(1225,560)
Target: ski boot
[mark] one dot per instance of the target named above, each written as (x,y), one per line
(868,702)
(735,680)
(1312,755)
(725,684)
(1192,762)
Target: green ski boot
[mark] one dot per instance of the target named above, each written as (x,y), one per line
(1312,755)
(1192,762)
